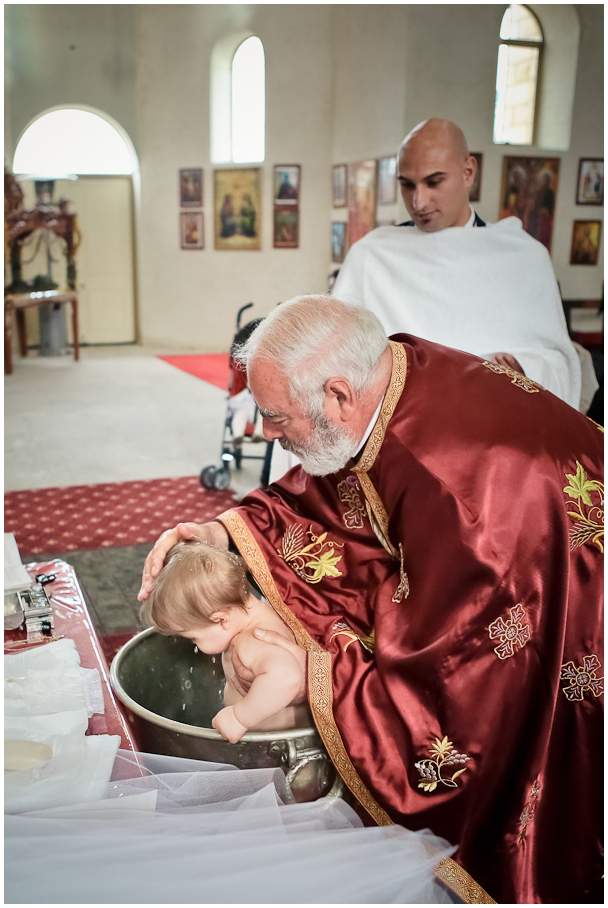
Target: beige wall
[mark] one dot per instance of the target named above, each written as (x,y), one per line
(344,82)
(202,291)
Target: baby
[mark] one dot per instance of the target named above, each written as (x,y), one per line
(202,593)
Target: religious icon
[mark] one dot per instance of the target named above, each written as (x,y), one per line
(191,187)
(191,230)
(338,185)
(361,199)
(528,192)
(338,241)
(237,206)
(286,227)
(287,184)
(585,242)
(590,186)
(387,180)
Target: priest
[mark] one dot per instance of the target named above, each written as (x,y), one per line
(438,558)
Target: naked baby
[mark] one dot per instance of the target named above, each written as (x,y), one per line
(202,594)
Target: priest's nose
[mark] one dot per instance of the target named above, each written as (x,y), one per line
(270,430)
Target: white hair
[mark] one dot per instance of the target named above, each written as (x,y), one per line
(312,338)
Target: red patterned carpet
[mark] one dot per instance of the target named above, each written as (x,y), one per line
(210,367)
(107,515)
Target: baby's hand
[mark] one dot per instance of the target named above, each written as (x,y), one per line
(228,725)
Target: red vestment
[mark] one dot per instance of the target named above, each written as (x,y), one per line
(455,672)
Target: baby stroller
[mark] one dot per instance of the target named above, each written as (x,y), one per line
(242,425)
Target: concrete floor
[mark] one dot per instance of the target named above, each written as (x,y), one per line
(119,414)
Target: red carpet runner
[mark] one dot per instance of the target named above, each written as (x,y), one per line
(107,515)
(210,367)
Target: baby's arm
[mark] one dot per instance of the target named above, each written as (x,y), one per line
(277,682)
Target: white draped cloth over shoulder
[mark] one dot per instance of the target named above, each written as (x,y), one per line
(188,832)
(483,290)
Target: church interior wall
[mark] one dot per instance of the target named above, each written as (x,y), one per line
(173,102)
(343,83)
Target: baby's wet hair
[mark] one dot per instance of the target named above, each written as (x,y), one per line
(196,580)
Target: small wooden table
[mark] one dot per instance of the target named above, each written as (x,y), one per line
(18,303)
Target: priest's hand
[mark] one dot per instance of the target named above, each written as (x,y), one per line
(505,359)
(213,533)
(243,677)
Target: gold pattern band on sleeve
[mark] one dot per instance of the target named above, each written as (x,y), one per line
(391,399)
(320,695)
(462,883)
(320,688)
(377,513)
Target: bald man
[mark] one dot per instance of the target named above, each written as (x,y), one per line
(489,292)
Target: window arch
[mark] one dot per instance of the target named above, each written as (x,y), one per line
(517,76)
(73,140)
(238,104)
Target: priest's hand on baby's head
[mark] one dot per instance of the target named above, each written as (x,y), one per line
(213,533)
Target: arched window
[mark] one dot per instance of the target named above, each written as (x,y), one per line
(238,100)
(73,141)
(519,57)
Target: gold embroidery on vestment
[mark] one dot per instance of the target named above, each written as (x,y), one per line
(462,883)
(588,518)
(527,814)
(391,398)
(511,633)
(403,590)
(377,513)
(596,424)
(320,697)
(320,689)
(441,754)
(348,492)
(582,678)
(311,562)
(342,629)
(521,381)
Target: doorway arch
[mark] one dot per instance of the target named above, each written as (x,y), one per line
(76,140)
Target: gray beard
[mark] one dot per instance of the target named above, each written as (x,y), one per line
(327,450)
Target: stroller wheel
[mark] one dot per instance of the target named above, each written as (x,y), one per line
(207,477)
(221,480)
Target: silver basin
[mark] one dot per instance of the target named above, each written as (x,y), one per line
(171,692)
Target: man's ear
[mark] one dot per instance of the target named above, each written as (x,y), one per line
(470,169)
(340,400)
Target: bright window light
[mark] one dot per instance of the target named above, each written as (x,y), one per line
(517,76)
(519,24)
(248,102)
(72,141)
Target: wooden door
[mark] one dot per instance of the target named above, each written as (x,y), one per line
(104,259)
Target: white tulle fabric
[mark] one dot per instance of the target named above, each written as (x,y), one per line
(187,832)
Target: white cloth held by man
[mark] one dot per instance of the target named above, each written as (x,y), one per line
(482,290)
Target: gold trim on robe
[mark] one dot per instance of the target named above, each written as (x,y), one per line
(375,508)
(320,691)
